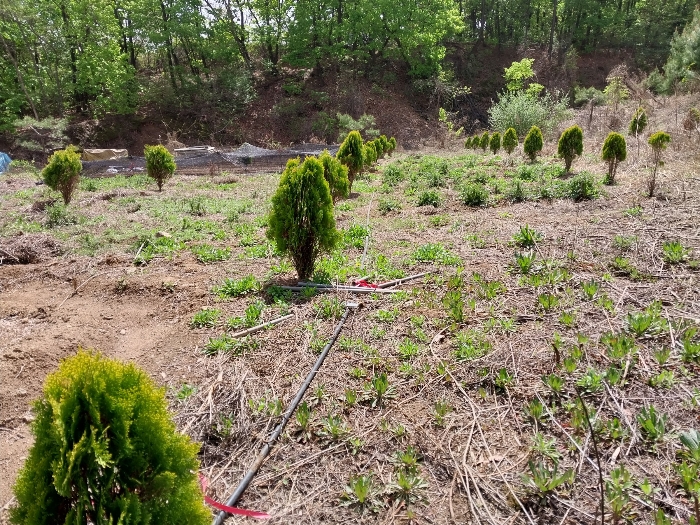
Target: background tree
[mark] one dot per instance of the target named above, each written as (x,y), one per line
(301,222)
(533,143)
(62,173)
(160,164)
(614,152)
(570,145)
(638,124)
(351,154)
(106,451)
(658,142)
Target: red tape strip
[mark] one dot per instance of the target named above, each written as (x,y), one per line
(365,284)
(231,510)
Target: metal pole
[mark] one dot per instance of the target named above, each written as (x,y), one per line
(285,419)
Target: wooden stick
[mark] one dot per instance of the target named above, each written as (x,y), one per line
(261,326)
(402,280)
(351,289)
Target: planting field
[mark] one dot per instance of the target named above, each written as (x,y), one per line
(555,342)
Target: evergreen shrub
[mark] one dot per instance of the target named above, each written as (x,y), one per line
(570,145)
(62,173)
(301,221)
(614,152)
(160,164)
(106,452)
(533,143)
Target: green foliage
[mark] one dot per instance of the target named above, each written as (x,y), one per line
(510,140)
(545,480)
(570,145)
(675,252)
(301,221)
(681,65)
(106,451)
(614,152)
(62,173)
(638,123)
(160,164)
(369,154)
(237,287)
(587,95)
(484,141)
(521,111)
(365,124)
(518,73)
(658,142)
(533,143)
(429,198)
(652,424)
(615,91)
(583,187)
(205,253)
(336,175)
(474,194)
(351,154)
(468,143)
(207,317)
(495,142)
(527,237)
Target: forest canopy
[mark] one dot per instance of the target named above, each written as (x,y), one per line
(113,56)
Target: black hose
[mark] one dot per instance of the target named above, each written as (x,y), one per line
(280,427)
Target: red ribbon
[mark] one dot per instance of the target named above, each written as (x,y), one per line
(231,510)
(365,284)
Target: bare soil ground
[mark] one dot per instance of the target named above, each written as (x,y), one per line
(461,392)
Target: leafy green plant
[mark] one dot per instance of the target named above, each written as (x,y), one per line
(329,307)
(525,261)
(408,485)
(617,492)
(408,349)
(522,110)
(388,205)
(429,198)
(301,221)
(207,317)
(592,381)
(590,288)
(619,346)
(333,428)
(471,345)
(237,287)
(503,379)
(545,480)
(474,194)
(251,318)
(547,301)
(62,173)
(106,451)
(570,145)
(582,187)
(454,303)
(533,143)
(160,164)
(362,491)
(652,424)
(440,410)
(638,123)
(527,237)
(554,382)
(675,252)
(658,142)
(435,252)
(206,253)
(379,389)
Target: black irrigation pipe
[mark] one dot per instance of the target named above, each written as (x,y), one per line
(267,448)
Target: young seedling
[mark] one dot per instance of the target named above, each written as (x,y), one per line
(440,411)
(658,142)
(675,252)
(527,237)
(544,481)
(652,424)
(362,492)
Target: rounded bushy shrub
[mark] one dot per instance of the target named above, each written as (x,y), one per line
(159,164)
(385,144)
(583,187)
(336,176)
(392,145)
(429,198)
(106,451)
(379,148)
(495,142)
(658,142)
(638,123)
(570,145)
(533,143)
(510,140)
(62,173)
(484,141)
(614,152)
(301,221)
(474,194)
(370,154)
(351,154)
(468,143)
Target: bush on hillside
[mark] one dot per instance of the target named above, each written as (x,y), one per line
(533,143)
(510,140)
(474,194)
(570,145)
(658,142)
(638,123)
(369,154)
(521,111)
(392,145)
(301,221)
(495,142)
(62,173)
(336,175)
(160,164)
(468,143)
(351,154)
(484,141)
(106,451)
(614,152)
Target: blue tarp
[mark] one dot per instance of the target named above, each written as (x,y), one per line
(4,161)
